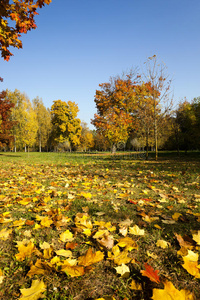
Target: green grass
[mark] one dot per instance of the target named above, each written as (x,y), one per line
(108,188)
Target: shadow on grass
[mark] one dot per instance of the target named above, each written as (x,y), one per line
(9,155)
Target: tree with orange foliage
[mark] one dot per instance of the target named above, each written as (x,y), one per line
(116,103)
(22,14)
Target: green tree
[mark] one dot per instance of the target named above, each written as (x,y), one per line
(187,117)
(66,125)
(43,116)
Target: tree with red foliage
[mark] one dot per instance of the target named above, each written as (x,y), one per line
(5,124)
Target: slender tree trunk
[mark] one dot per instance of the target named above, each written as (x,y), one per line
(156,139)
(155,132)
(15,148)
(147,143)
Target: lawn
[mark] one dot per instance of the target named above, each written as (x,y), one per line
(99,226)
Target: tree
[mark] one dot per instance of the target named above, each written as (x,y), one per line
(145,113)
(66,125)
(156,75)
(116,103)
(86,138)
(43,116)
(187,117)
(6,124)
(24,119)
(16,17)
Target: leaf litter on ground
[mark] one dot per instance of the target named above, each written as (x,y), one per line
(99,226)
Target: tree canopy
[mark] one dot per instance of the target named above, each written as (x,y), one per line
(17,17)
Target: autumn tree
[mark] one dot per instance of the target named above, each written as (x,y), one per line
(43,116)
(145,113)
(115,103)
(66,125)
(6,123)
(16,17)
(86,138)
(24,118)
(101,143)
(156,75)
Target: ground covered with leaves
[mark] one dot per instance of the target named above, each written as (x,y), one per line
(101,227)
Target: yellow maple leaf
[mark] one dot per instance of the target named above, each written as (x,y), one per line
(90,258)
(25,251)
(4,233)
(162,244)
(136,230)
(196,237)
(170,292)
(66,236)
(82,221)
(46,222)
(176,216)
(40,268)
(19,223)
(119,257)
(45,245)
(73,271)
(128,243)
(191,263)
(55,260)
(34,292)
(87,231)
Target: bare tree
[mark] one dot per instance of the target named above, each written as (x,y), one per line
(156,74)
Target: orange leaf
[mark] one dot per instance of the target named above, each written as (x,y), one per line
(150,273)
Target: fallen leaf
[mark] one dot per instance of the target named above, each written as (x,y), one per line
(90,258)
(4,233)
(191,263)
(135,286)
(123,270)
(66,236)
(25,251)
(150,273)
(162,244)
(34,292)
(196,237)
(65,253)
(171,293)
(136,230)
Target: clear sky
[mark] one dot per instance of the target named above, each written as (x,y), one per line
(81,43)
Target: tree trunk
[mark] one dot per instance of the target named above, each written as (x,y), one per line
(40,143)
(147,143)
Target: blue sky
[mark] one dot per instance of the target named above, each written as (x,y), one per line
(81,43)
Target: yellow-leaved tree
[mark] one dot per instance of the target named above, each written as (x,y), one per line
(87,138)
(44,123)
(66,127)
(24,119)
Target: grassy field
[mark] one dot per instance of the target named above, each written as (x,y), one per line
(99,226)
